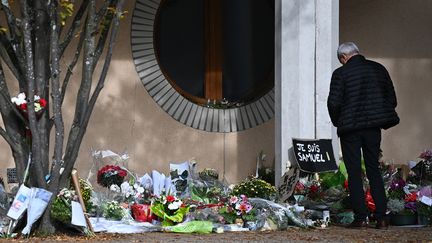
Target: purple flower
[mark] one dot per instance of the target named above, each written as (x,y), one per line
(426,155)
(397,183)
(411,205)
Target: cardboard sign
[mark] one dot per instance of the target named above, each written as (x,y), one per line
(314,155)
(288,182)
(78,217)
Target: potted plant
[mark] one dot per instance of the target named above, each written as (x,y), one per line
(400,214)
(402,206)
(424,212)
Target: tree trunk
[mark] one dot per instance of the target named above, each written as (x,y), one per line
(32,50)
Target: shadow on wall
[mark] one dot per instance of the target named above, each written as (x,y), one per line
(397,35)
(127,118)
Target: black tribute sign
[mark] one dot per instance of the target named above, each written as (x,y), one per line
(314,155)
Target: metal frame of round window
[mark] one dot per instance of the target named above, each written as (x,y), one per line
(178,107)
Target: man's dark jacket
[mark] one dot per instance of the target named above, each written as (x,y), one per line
(361,96)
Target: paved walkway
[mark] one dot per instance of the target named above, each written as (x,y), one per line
(331,234)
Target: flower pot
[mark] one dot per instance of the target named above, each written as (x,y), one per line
(399,219)
(424,220)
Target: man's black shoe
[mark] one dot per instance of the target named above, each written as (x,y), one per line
(381,224)
(357,224)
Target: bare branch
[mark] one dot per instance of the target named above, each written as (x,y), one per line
(100,84)
(88,66)
(77,132)
(11,20)
(75,24)
(14,42)
(12,60)
(7,99)
(107,20)
(71,67)
(8,139)
(102,11)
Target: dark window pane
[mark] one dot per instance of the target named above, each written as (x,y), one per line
(180,44)
(248,57)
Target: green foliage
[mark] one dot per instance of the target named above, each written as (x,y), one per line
(61,210)
(395,206)
(66,10)
(331,179)
(397,193)
(254,187)
(112,210)
(61,207)
(205,194)
(228,215)
(423,209)
(169,219)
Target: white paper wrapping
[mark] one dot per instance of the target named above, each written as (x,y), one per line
(38,202)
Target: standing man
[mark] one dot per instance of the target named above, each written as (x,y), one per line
(361,102)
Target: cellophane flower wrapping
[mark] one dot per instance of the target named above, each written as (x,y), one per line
(108,172)
(61,205)
(279,214)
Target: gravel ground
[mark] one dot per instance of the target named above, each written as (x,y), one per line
(330,234)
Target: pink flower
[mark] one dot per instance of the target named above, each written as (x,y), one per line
(233,200)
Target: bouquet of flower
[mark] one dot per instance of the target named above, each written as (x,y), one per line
(113,210)
(134,193)
(170,209)
(21,103)
(423,169)
(426,155)
(238,208)
(401,201)
(111,174)
(254,187)
(396,188)
(142,212)
(314,190)
(61,207)
(300,188)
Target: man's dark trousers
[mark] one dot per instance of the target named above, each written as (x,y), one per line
(368,141)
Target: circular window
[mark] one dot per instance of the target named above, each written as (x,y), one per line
(209,64)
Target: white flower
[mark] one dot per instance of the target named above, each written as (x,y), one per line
(19,99)
(140,190)
(36,97)
(174,205)
(21,96)
(115,188)
(126,189)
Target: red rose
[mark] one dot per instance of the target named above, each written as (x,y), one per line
(42,102)
(170,198)
(23,106)
(122,173)
(313,188)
